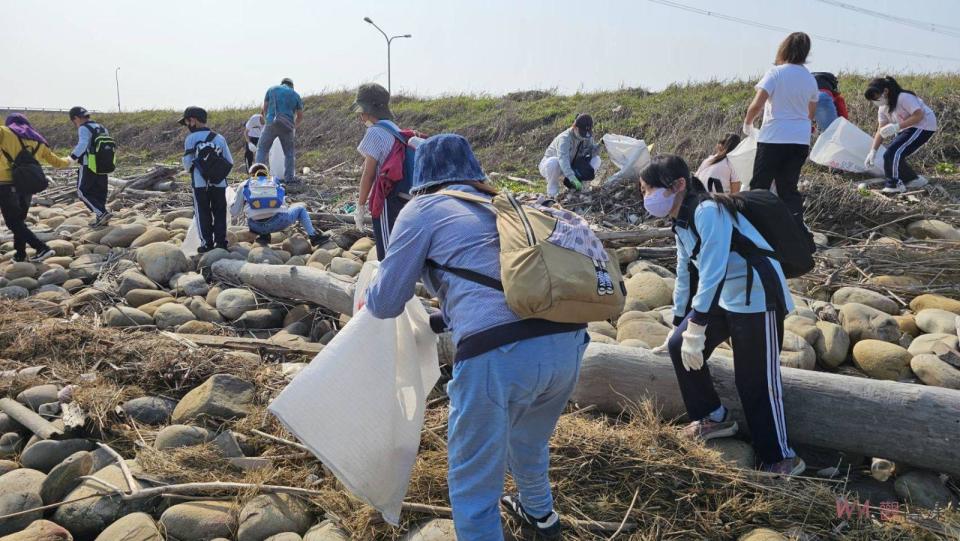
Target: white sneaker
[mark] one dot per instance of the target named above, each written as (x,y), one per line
(918,182)
(898,188)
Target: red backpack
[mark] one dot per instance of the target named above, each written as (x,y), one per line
(396,171)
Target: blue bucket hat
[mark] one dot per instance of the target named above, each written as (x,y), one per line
(444,159)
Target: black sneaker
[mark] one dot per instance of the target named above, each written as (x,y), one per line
(19,257)
(547,527)
(893,186)
(222,246)
(102,220)
(203,250)
(319,240)
(263,240)
(43,255)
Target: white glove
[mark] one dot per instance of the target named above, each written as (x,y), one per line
(890,130)
(662,348)
(359,215)
(251,146)
(694,340)
(871,159)
(747,129)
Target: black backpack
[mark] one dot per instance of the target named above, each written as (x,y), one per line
(827,80)
(28,177)
(102,150)
(581,164)
(208,158)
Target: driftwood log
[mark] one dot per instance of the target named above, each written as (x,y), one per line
(29,419)
(906,423)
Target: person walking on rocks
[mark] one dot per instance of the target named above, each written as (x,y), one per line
(720,295)
(207,158)
(251,134)
(263,199)
(901,114)
(91,181)
(572,157)
(16,136)
(511,377)
(283,111)
(787,95)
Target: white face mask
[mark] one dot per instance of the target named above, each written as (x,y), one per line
(878,103)
(368,123)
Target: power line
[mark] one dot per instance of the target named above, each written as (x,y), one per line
(774,28)
(913,23)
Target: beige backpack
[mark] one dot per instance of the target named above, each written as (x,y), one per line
(552,266)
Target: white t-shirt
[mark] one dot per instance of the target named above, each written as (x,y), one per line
(907,104)
(254,126)
(721,171)
(786,116)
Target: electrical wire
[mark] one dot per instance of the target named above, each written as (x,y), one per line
(775,28)
(913,23)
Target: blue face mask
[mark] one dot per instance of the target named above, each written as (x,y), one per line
(660,202)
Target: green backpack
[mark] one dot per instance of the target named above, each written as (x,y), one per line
(102,151)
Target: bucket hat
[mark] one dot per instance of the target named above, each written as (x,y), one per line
(374,100)
(444,159)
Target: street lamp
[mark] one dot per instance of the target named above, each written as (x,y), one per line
(116,75)
(389,41)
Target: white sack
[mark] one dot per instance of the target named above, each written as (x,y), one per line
(191,242)
(629,154)
(359,405)
(844,146)
(277,166)
(742,158)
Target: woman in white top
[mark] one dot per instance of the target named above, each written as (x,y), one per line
(716,172)
(787,95)
(251,134)
(903,116)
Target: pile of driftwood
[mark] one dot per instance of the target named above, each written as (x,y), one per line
(156,180)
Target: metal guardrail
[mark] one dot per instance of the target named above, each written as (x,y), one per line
(37,110)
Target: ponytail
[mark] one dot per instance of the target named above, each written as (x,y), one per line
(664,169)
(727,144)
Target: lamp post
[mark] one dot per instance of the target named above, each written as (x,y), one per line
(116,76)
(389,41)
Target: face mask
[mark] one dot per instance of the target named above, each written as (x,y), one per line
(659,203)
(368,123)
(193,128)
(878,103)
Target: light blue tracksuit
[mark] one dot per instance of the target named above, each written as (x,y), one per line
(504,403)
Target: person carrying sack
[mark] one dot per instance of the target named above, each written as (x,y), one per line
(512,377)
(17,149)
(572,158)
(95,152)
(283,110)
(207,158)
(730,284)
(263,199)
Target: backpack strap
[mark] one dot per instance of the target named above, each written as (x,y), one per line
(386,125)
(467,274)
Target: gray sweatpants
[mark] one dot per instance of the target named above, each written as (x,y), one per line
(278,130)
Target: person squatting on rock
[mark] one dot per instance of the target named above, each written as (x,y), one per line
(283,110)
(572,157)
(511,377)
(207,158)
(92,186)
(901,114)
(251,136)
(787,95)
(263,199)
(715,300)
(383,145)
(717,169)
(16,135)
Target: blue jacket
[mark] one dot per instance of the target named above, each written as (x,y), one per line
(190,142)
(716,261)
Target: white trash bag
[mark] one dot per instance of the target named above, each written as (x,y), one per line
(844,146)
(629,154)
(191,242)
(277,165)
(742,158)
(359,405)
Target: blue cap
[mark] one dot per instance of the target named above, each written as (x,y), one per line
(445,159)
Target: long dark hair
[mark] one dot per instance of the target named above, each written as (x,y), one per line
(727,144)
(793,49)
(876,87)
(664,170)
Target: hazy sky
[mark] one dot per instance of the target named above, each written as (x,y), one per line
(174,53)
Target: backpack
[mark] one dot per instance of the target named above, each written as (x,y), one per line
(263,193)
(581,164)
(208,158)
(396,172)
(28,176)
(102,150)
(544,272)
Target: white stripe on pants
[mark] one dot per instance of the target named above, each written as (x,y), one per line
(774,386)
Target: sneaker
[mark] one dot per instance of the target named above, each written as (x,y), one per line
(222,246)
(319,240)
(43,255)
(263,240)
(918,182)
(19,257)
(547,527)
(788,466)
(706,429)
(102,220)
(893,186)
(295,181)
(203,250)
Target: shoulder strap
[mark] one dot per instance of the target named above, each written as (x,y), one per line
(468,274)
(465,196)
(210,137)
(386,125)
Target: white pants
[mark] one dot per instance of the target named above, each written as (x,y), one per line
(550,169)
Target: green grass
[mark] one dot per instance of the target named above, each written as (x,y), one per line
(509,133)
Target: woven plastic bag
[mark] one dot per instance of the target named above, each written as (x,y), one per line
(278,167)
(628,154)
(191,242)
(742,158)
(359,405)
(844,146)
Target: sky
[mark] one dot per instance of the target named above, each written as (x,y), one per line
(226,53)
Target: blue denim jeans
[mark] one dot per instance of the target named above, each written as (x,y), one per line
(504,406)
(826,111)
(277,130)
(284,219)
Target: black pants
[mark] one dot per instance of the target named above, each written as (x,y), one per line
(384,224)
(907,142)
(92,189)
(781,163)
(210,208)
(250,155)
(14,207)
